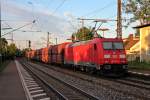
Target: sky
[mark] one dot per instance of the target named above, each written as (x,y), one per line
(58,17)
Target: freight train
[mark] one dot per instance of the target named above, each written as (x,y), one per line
(105,55)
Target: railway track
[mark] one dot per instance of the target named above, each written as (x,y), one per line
(65,90)
(131,82)
(33,90)
(135,83)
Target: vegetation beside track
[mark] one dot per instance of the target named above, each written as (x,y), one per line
(3,65)
(139,65)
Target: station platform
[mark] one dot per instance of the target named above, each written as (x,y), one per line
(140,72)
(10,84)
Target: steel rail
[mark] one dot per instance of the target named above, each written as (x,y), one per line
(60,96)
(103,84)
(90,96)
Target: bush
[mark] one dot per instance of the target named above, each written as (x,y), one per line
(139,65)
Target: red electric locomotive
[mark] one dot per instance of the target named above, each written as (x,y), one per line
(104,54)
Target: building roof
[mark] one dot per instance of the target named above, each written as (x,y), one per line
(135,47)
(130,44)
(141,26)
(130,41)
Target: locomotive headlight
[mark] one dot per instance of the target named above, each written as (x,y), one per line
(122,56)
(106,56)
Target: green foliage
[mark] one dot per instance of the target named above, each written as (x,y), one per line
(83,34)
(25,50)
(140,10)
(8,51)
(139,65)
(11,50)
(18,53)
(3,46)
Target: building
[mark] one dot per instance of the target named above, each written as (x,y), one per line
(139,47)
(132,47)
(144,43)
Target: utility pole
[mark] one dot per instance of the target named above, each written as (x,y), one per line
(0,39)
(119,20)
(12,37)
(82,21)
(0,31)
(26,43)
(0,43)
(48,39)
(56,41)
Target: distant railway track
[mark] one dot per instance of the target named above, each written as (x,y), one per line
(143,76)
(135,83)
(64,90)
(131,81)
(142,84)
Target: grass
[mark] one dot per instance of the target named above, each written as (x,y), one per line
(3,65)
(139,65)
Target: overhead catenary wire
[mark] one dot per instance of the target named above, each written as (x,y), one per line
(7,27)
(99,9)
(73,26)
(7,24)
(15,20)
(61,4)
(49,4)
(18,28)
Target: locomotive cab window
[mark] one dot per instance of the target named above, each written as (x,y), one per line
(118,45)
(113,45)
(107,45)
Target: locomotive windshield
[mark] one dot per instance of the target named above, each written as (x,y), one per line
(112,45)
(107,45)
(118,45)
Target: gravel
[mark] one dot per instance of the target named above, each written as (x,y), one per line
(100,87)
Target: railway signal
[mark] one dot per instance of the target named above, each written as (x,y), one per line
(29,44)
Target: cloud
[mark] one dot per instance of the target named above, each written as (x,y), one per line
(44,19)
(69,15)
(45,22)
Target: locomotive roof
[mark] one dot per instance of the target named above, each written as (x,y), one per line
(95,39)
(79,43)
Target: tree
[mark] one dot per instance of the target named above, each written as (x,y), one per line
(140,10)
(83,34)
(25,50)
(3,46)
(11,50)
